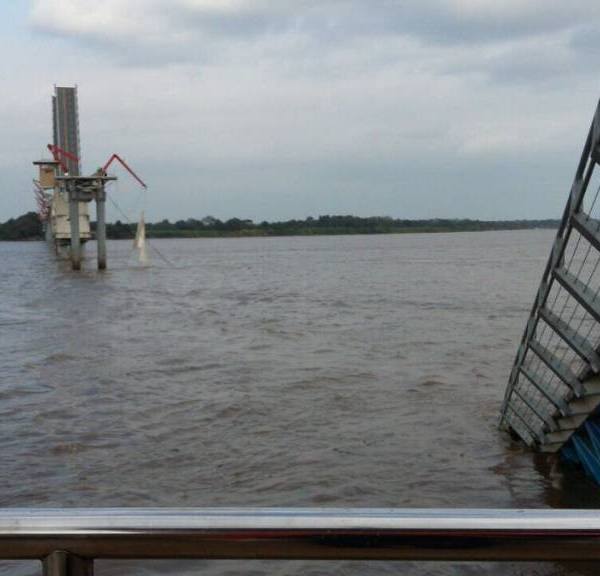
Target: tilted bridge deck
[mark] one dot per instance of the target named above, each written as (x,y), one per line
(553,395)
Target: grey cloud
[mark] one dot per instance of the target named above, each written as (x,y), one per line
(586,42)
(538,42)
(432,21)
(439,21)
(286,108)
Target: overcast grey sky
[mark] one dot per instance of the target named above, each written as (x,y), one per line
(280,109)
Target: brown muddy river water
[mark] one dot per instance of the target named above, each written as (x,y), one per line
(324,371)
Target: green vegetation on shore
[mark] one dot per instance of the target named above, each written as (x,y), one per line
(27,227)
(323,225)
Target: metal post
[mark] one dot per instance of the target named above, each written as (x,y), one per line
(61,563)
(75,240)
(101,228)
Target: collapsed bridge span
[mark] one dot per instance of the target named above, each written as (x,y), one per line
(552,400)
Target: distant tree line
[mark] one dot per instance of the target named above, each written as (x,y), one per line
(28,227)
(323,225)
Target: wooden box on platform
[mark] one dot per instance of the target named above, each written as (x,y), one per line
(47,173)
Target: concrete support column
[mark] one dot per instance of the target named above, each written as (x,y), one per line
(101,230)
(75,239)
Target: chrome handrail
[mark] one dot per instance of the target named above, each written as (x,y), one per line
(68,540)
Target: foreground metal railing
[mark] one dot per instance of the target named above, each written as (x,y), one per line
(68,541)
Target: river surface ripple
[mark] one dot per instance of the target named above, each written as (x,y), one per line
(317,371)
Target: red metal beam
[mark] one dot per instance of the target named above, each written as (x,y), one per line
(58,154)
(125,165)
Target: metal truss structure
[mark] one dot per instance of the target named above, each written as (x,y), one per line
(553,395)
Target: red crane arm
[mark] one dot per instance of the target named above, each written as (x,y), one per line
(124,164)
(58,154)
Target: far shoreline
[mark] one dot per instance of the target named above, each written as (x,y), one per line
(299,235)
(29,228)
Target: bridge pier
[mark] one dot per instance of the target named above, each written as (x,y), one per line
(75,239)
(85,189)
(101,227)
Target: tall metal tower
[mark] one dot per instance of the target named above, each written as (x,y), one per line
(65,124)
